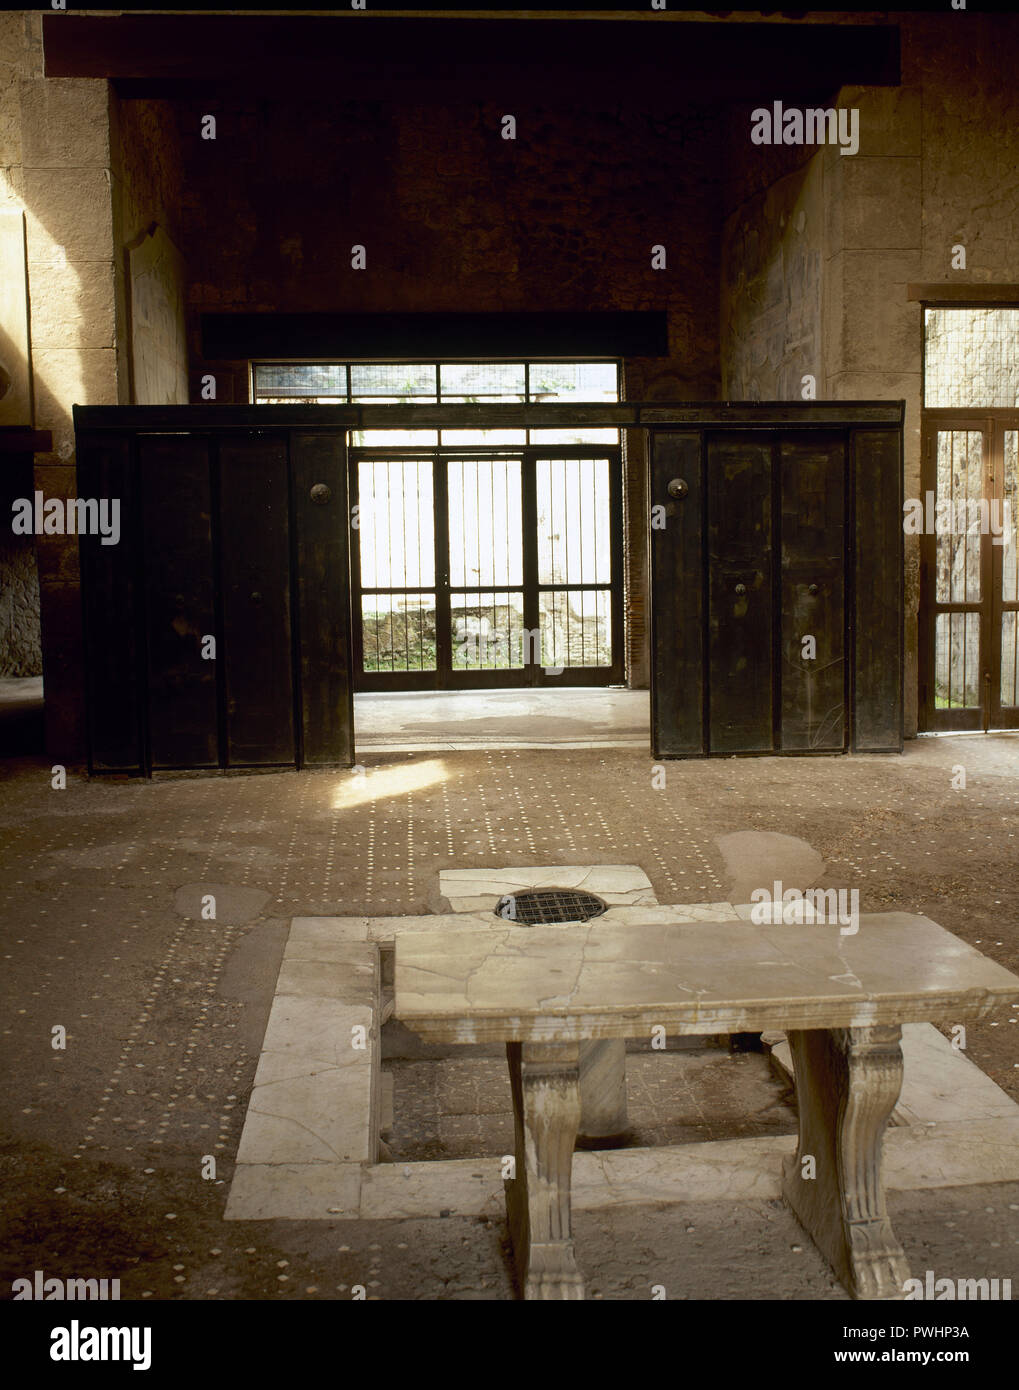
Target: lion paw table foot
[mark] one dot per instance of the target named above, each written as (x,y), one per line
(552,1272)
(847,1083)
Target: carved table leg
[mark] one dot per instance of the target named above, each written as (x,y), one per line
(603,1089)
(546,1111)
(847,1083)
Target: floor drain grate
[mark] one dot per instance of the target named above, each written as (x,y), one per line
(538,906)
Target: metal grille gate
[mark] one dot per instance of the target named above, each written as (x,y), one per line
(487,567)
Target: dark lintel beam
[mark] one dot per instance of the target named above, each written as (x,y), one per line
(362,55)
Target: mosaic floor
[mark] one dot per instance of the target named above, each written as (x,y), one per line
(103,933)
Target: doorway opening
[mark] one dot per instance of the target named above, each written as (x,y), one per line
(482,560)
(969,508)
(487,568)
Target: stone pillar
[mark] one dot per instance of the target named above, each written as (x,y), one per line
(603,1089)
(65,131)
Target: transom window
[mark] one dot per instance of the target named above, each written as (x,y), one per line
(444,383)
(971,358)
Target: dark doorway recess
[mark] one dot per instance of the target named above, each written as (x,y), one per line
(776,589)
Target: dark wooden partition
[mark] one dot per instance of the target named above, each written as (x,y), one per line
(776,580)
(217,630)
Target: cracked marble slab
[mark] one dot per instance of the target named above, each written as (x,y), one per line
(462,1187)
(474,890)
(294,1192)
(330,938)
(609,981)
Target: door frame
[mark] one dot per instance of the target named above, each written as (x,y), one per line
(531,674)
(992,424)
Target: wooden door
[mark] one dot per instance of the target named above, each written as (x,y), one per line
(179,613)
(969,621)
(812,673)
(776,585)
(740,602)
(218,629)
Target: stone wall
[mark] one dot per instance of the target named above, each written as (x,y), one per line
(20,57)
(151,285)
(94,177)
(453,217)
(772,254)
(938,166)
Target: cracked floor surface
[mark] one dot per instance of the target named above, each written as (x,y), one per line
(103,934)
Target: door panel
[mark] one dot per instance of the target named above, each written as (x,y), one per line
(254,508)
(179,600)
(678,726)
(214,521)
(961,591)
(323,601)
(812,675)
(740,601)
(877,560)
(785,525)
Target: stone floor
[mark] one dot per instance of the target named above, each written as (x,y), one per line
(103,934)
(461,1107)
(610,717)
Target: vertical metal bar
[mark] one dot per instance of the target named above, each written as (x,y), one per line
(356,600)
(775,486)
(529,541)
(419,517)
(617,597)
(990,617)
(443,631)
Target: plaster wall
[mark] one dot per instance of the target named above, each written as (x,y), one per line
(937,167)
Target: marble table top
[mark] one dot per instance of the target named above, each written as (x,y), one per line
(586,980)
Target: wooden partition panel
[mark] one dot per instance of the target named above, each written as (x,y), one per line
(218,628)
(110,601)
(179,600)
(877,620)
(740,603)
(322,525)
(257,654)
(776,585)
(677,607)
(812,675)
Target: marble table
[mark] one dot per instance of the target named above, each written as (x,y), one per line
(842,999)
